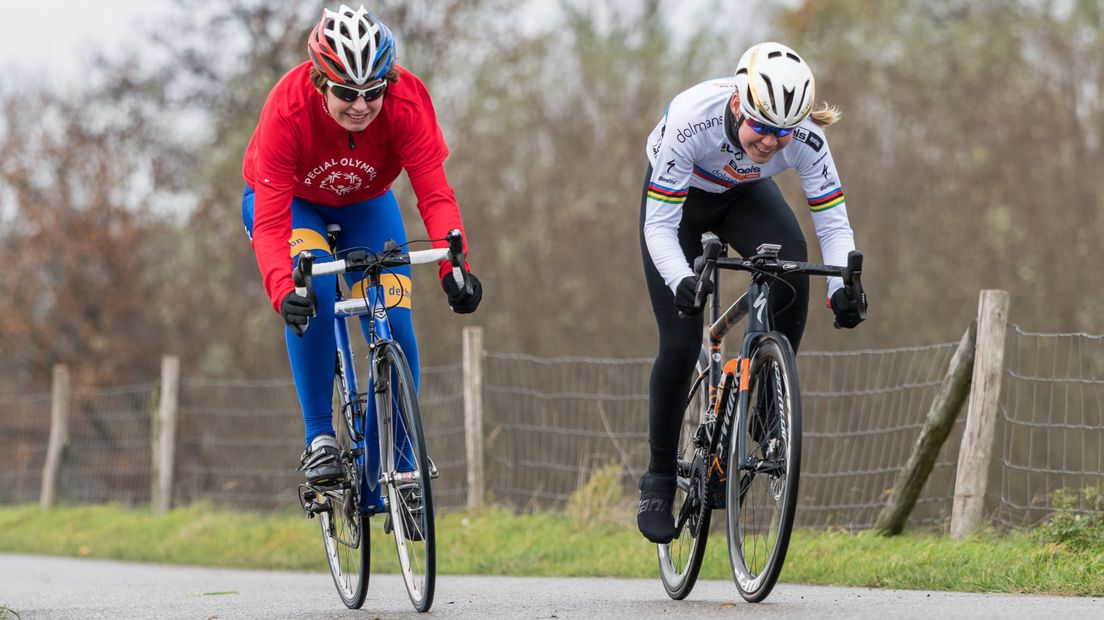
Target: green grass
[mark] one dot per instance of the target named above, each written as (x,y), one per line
(498,542)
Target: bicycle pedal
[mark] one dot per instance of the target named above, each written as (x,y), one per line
(312,501)
(432,468)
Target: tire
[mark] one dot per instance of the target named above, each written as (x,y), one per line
(406,467)
(345,532)
(762,497)
(681,559)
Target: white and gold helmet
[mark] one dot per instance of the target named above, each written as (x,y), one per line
(776,86)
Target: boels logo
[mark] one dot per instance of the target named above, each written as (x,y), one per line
(742,172)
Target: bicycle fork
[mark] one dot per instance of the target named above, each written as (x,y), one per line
(730,400)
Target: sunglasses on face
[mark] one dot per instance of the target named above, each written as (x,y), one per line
(767,130)
(350,95)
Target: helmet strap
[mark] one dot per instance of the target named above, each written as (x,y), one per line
(732,125)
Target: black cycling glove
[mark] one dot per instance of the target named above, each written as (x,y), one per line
(687,291)
(296,310)
(458,299)
(846,308)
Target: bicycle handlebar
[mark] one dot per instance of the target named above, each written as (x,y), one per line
(851,273)
(304,272)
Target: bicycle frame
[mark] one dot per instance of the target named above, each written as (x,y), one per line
(360,427)
(728,393)
(728,406)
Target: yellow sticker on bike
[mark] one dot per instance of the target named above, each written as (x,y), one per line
(396,290)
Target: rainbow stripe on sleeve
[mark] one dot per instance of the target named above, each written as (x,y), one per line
(826,201)
(667,194)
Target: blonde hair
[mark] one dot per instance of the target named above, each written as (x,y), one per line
(825,115)
(319,80)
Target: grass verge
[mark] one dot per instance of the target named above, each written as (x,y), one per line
(498,542)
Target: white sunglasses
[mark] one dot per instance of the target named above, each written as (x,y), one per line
(349,94)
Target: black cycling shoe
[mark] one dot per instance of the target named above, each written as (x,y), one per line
(657,497)
(412,516)
(321,462)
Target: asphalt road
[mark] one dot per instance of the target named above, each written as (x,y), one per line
(40,587)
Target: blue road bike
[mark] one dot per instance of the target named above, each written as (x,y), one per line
(384,455)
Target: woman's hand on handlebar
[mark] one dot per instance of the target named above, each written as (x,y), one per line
(687,299)
(297,310)
(463,300)
(848,308)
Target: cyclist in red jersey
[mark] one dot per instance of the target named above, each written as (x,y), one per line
(333,135)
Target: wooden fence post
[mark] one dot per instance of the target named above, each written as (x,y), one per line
(59,434)
(941,417)
(473,412)
(164,434)
(981,416)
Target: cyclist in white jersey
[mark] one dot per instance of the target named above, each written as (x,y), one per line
(712,157)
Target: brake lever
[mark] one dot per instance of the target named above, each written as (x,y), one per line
(456,259)
(852,283)
(304,283)
(703,270)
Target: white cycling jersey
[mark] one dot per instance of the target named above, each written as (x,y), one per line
(690,148)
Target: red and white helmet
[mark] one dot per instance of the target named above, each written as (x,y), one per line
(351,47)
(776,86)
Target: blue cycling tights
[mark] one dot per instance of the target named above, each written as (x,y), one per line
(364,225)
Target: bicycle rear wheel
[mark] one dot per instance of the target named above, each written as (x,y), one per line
(407,472)
(762,495)
(680,560)
(344,525)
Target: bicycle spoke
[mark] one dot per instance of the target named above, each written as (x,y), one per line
(763,499)
(680,560)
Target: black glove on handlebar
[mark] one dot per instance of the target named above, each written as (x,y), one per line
(296,310)
(846,308)
(459,300)
(687,291)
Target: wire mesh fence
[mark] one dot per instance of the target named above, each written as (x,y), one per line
(24,431)
(861,414)
(109,453)
(551,423)
(1051,425)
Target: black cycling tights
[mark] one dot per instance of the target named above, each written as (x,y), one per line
(745,216)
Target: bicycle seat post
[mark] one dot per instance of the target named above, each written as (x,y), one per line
(333,231)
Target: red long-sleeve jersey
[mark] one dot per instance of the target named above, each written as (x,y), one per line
(299,150)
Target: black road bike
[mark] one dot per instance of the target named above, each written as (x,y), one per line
(740,445)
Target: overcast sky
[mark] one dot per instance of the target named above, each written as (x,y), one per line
(39,38)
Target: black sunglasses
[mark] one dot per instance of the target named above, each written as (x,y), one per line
(346,93)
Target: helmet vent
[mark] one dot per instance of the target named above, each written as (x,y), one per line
(788,97)
(770,90)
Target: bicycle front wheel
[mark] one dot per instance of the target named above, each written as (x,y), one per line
(407,476)
(344,525)
(681,559)
(762,482)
